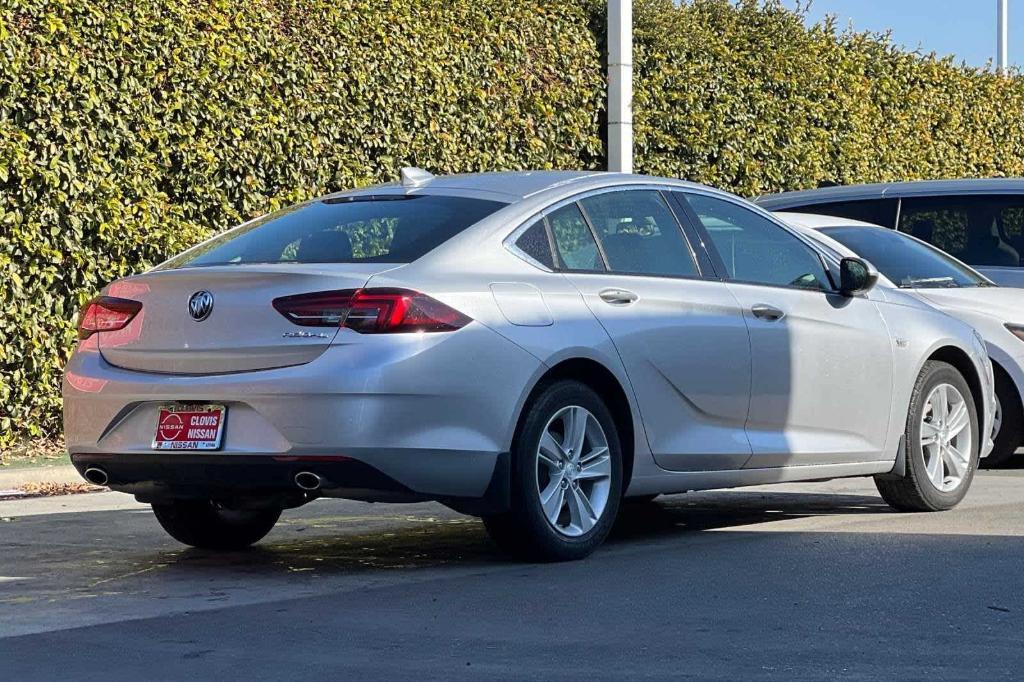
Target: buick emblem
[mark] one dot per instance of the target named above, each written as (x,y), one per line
(200,305)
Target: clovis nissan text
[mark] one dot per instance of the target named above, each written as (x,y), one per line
(529,347)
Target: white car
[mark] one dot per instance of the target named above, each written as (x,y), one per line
(937,278)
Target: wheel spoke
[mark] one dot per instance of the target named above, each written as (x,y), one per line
(940,406)
(596,468)
(935,469)
(959,420)
(929,434)
(575,432)
(550,452)
(552,499)
(956,461)
(582,514)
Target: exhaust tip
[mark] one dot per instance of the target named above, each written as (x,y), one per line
(96,476)
(308,481)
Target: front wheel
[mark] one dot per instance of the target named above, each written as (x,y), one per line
(566,477)
(203,524)
(943,441)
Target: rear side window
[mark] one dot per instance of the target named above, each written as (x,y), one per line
(639,233)
(577,249)
(361,229)
(534,243)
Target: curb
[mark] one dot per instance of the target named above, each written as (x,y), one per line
(45,474)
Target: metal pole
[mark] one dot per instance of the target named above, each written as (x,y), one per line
(620,86)
(1001,35)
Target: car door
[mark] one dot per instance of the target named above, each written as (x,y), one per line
(681,338)
(822,363)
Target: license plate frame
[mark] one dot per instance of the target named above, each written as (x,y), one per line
(176,421)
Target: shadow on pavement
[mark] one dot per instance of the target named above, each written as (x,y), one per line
(329,545)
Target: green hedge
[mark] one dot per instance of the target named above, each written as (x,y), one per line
(130,129)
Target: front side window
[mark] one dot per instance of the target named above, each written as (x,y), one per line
(906,262)
(981,230)
(360,229)
(756,250)
(639,233)
(574,241)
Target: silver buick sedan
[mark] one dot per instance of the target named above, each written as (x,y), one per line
(532,348)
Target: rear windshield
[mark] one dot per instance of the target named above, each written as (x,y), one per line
(361,229)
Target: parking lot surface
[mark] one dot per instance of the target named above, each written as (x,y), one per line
(790,581)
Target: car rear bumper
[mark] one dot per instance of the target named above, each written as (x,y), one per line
(260,481)
(430,413)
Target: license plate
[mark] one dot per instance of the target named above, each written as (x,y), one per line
(189,427)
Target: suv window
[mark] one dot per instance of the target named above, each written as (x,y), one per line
(639,233)
(360,229)
(755,249)
(982,231)
(877,211)
(577,249)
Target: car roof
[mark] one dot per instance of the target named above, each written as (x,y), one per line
(815,221)
(892,190)
(513,186)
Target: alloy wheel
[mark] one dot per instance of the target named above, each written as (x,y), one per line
(574,470)
(946,438)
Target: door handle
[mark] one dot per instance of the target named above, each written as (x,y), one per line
(618,296)
(763,311)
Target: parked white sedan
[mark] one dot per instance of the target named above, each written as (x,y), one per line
(951,286)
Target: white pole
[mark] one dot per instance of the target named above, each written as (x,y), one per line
(1001,35)
(620,86)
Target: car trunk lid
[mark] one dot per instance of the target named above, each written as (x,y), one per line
(241,331)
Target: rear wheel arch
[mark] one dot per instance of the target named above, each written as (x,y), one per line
(603,382)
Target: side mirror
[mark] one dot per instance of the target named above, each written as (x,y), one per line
(856,277)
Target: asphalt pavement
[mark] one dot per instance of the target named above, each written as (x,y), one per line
(811,581)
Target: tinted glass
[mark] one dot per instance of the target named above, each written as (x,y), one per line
(383,229)
(906,262)
(534,243)
(877,211)
(639,233)
(577,249)
(980,230)
(757,250)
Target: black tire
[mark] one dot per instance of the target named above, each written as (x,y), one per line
(202,524)
(1011,434)
(525,531)
(914,491)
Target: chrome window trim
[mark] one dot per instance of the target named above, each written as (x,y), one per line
(660,187)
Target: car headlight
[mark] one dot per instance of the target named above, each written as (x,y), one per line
(1017,330)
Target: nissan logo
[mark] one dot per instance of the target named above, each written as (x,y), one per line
(200,305)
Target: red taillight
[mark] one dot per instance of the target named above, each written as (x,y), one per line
(391,311)
(320,309)
(372,311)
(106,314)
